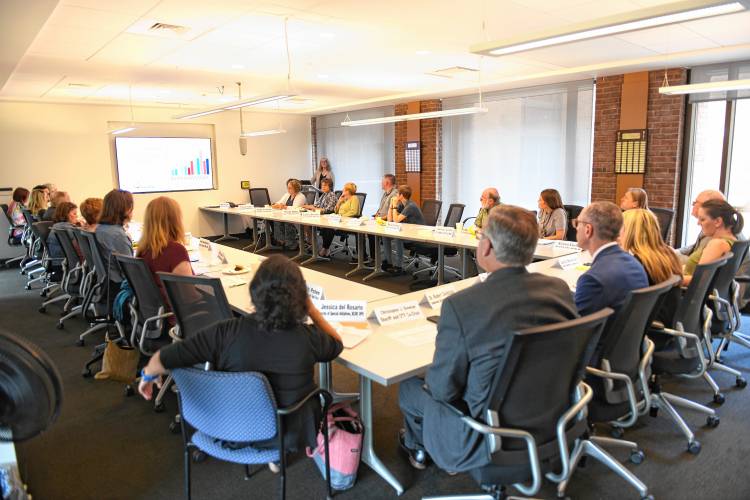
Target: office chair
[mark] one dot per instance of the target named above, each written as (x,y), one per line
(431,211)
(453,217)
(10,251)
(537,411)
(197,302)
(238,407)
(259,197)
(664,216)
(620,371)
(682,351)
(31,263)
(75,280)
(343,244)
(724,303)
(310,197)
(69,268)
(573,211)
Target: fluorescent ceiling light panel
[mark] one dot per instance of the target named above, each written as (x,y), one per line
(237,105)
(700,88)
(121,130)
(414,116)
(258,133)
(662,15)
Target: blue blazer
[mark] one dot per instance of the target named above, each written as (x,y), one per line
(613,274)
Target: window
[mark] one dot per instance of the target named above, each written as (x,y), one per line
(529,140)
(358,154)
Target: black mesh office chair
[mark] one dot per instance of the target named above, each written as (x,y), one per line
(310,197)
(50,267)
(453,217)
(259,197)
(664,216)
(724,303)
(197,302)
(573,211)
(431,211)
(619,377)
(537,411)
(73,280)
(682,346)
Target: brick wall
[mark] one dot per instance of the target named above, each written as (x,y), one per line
(314,142)
(399,131)
(664,123)
(431,132)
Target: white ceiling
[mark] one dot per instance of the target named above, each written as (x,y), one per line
(344,54)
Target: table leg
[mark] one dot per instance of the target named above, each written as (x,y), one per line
(226,236)
(378,270)
(301,242)
(464,263)
(267,232)
(314,242)
(441,265)
(255,236)
(325,381)
(360,255)
(368,450)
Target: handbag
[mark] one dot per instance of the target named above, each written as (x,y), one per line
(120,363)
(344,446)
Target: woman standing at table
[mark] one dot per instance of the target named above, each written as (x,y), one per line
(292,198)
(161,244)
(322,172)
(275,340)
(346,206)
(552,219)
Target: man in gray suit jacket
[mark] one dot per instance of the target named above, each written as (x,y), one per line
(476,326)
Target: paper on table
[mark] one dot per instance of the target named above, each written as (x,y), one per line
(545,242)
(200,268)
(351,336)
(232,281)
(413,337)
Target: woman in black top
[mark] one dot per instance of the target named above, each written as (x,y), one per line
(274,341)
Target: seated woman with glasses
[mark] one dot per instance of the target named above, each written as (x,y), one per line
(287,233)
(275,340)
(552,218)
(346,206)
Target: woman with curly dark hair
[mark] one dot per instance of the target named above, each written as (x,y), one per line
(274,341)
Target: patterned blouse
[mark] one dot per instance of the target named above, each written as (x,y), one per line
(326,202)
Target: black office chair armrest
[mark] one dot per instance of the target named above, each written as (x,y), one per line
(327,398)
(742,279)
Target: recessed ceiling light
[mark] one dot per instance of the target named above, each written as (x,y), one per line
(237,66)
(422,52)
(323,76)
(327,35)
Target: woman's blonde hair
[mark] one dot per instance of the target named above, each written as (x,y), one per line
(351,187)
(37,202)
(641,236)
(162,224)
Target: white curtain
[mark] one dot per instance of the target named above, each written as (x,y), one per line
(358,154)
(531,139)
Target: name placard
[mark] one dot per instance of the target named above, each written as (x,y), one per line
(567,245)
(310,214)
(393,227)
(436,297)
(247,207)
(568,262)
(343,310)
(292,212)
(398,313)
(315,292)
(444,232)
(263,210)
(223,206)
(334,218)
(353,222)
(204,243)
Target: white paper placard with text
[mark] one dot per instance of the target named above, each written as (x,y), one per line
(398,313)
(343,311)
(353,222)
(393,227)
(444,232)
(315,292)
(568,262)
(310,214)
(334,218)
(436,297)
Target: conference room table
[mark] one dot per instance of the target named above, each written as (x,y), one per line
(362,227)
(390,353)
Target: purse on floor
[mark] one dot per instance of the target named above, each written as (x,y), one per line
(120,363)
(344,446)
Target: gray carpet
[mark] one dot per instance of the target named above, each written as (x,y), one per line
(106,445)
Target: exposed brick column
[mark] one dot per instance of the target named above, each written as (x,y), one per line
(431,132)
(399,141)
(606,124)
(314,142)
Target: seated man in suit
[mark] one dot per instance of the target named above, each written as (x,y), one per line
(476,325)
(614,273)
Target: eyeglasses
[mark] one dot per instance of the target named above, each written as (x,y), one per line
(576,222)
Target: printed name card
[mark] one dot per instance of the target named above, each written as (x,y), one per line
(310,214)
(568,262)
(247,207)
(334,218)
(263,210)
(292,212)
(398,313)
(315,292)
(223,206)
(436,297)
(393,227)
(204,244)
(353,222)
(343,310)
(567,245)
(444,232)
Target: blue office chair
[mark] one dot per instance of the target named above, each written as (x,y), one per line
(237,407)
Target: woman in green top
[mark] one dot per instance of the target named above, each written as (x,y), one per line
(720,224)
(347,206)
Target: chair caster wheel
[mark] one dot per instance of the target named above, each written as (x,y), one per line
(43,294)
(198,456)
(653,411)
(175,428)
(27,287)
(740,382)
(42,309)
(86,373)
(129,391)
(159,408)
(694,447)
(719,398)
(713,421)
(617,432)
(637,457)
(648,497)
(60,326)
(80,342)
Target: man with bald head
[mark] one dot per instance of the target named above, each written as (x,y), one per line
(490,198)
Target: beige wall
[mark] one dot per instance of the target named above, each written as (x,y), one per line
(68,145)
